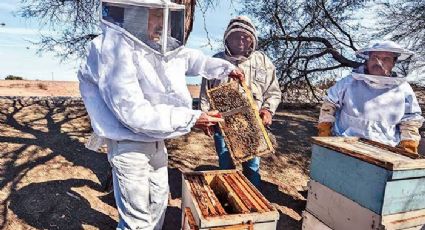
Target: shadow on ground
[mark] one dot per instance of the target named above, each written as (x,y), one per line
(49,180)
(40,137)
(54,205)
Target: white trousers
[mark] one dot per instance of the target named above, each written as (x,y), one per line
(140,181)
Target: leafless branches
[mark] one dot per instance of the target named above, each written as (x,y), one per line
(74,23)
(404,21)
(308,40)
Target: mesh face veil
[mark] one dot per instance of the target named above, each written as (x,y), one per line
(386,64)
(157,23)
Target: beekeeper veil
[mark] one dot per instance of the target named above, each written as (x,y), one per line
(386,64)
(159,24)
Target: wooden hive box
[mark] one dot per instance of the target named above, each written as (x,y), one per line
(224,199)
(243,130)
(310,222)
(360,184)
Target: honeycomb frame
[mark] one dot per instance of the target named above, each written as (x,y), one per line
(244,138)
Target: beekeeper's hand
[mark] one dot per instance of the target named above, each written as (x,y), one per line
(237,74)
(266,116)
(209,131)
(207,120)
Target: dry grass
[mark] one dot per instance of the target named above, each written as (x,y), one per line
(42,86)
(49,180)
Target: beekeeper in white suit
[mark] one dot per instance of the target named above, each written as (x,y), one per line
(134,89)
(375,101)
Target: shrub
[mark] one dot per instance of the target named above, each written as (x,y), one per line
(12,77)
(42,86)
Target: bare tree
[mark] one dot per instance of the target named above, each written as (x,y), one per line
(75,23)
(404,21)
(307,40)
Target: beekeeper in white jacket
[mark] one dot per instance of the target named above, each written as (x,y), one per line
(375,101)
(134,89)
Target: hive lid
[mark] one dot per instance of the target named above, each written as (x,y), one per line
(372,152)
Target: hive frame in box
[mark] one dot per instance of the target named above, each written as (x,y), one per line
(253,109)
(203,209)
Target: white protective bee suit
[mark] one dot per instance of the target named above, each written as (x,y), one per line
(134,89)
(379,108)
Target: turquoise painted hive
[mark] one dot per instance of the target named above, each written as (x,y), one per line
(383,179)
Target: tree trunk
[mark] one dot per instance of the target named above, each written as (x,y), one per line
(190,14)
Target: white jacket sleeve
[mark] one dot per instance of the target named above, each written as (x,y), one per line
(412,110)
(207,67)
(336,92)
(120,89)
(333,100)
(412,119)
(272,96)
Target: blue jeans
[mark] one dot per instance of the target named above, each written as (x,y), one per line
(251,168)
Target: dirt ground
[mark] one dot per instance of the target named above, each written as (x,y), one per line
(52,88)
(39,88)
(49,180)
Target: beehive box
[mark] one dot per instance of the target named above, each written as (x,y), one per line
(311,222)
(243,130)
(224,199)
(360,184)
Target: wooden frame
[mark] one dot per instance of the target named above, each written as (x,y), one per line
(204,192)
(188,222)
(251,109)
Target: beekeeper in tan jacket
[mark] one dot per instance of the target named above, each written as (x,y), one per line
(240,42)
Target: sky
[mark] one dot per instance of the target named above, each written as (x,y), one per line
(19,57)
